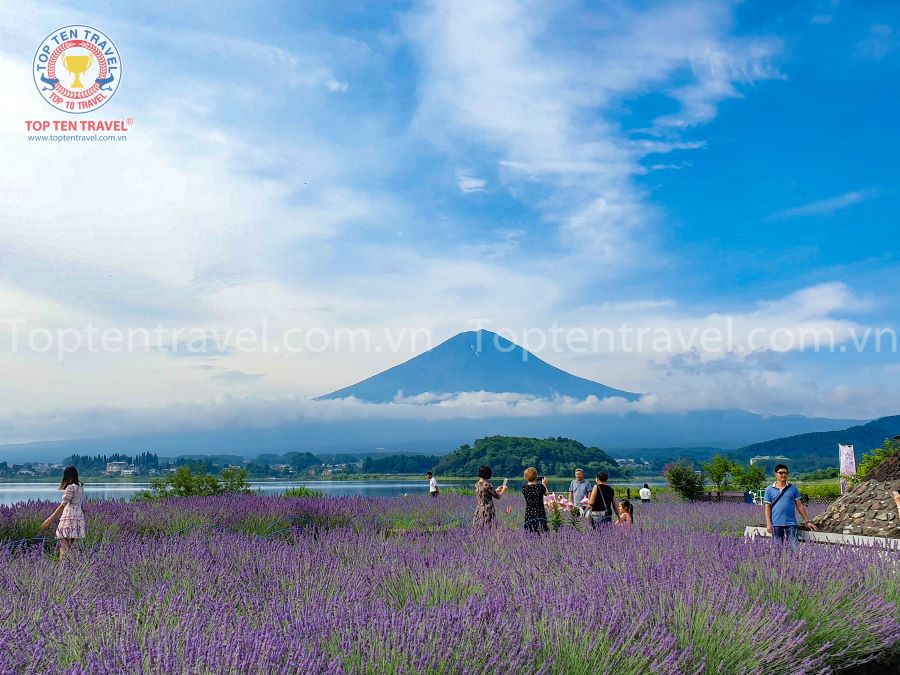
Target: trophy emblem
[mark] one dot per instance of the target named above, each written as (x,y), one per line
(77,69)
(78,66)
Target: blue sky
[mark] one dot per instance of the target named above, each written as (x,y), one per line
(384,167)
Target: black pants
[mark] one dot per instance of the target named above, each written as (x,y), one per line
(536,525)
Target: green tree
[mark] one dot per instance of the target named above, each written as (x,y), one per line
(872,459)
(509,455)
(187,483)
(684,480)
(749,478)
(720,470)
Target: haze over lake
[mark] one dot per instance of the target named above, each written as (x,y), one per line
(12,493)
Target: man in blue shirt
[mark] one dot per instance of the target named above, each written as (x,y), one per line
(782,502)
(579,489)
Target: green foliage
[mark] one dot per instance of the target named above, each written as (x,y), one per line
(301,460)
(684,480)
(186,483)
(819,474)
(433,587)
(830,489)
(302,491)
(555,518)
(93,464)
(511,455)
(749,478)
(720,470)
(400,464)
(458,490)
(872,459)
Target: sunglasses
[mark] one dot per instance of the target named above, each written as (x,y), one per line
(781,472)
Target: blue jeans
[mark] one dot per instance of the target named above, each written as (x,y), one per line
(782,532)
(599,520)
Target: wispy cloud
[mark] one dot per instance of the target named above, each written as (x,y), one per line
(470,183)
(499,82)
(879,42)
(826,207)
(237,376)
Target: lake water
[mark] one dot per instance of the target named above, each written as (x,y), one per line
(11,493)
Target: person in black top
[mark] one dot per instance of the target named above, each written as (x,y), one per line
(534,492)
(603,501)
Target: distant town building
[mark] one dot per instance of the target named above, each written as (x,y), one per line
(768,458)
(116,467)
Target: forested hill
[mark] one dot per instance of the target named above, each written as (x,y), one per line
(824,445)
(509,456)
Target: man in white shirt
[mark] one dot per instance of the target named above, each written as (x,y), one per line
(645,494)
(432,485)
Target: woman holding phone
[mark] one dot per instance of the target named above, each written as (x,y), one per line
(485,494)
(534,493)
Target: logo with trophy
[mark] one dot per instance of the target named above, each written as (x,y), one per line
(77,69)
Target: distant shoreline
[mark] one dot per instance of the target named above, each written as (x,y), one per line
(144,479)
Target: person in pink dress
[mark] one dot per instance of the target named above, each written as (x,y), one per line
(626,514)
(71,517)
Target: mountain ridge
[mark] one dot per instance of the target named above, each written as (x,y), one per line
(863,438)
(475,361)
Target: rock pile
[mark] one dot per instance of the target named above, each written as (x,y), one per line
(868,509)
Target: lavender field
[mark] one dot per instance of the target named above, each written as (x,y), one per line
(257,584)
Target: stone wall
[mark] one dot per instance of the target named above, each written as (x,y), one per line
(868,509)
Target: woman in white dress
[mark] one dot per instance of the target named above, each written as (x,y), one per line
(69,512)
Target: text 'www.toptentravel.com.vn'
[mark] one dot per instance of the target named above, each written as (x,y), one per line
(78,130)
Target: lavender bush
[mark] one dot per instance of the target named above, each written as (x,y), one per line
(284,585)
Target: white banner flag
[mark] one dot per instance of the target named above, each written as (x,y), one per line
(848,464)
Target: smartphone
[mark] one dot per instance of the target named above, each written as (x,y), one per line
(540,479)
(505,481)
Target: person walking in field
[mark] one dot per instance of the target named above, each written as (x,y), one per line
(579,489)
(603,501)
(782,501)
(71,526)
(645,494)
(485,494)
(433,489)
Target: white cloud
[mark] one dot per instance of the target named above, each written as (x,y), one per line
(263,413)
(496,79)
(206,220)
(470,183)
(826,207)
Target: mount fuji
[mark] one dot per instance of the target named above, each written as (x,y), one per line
(383,412)
(476,361)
